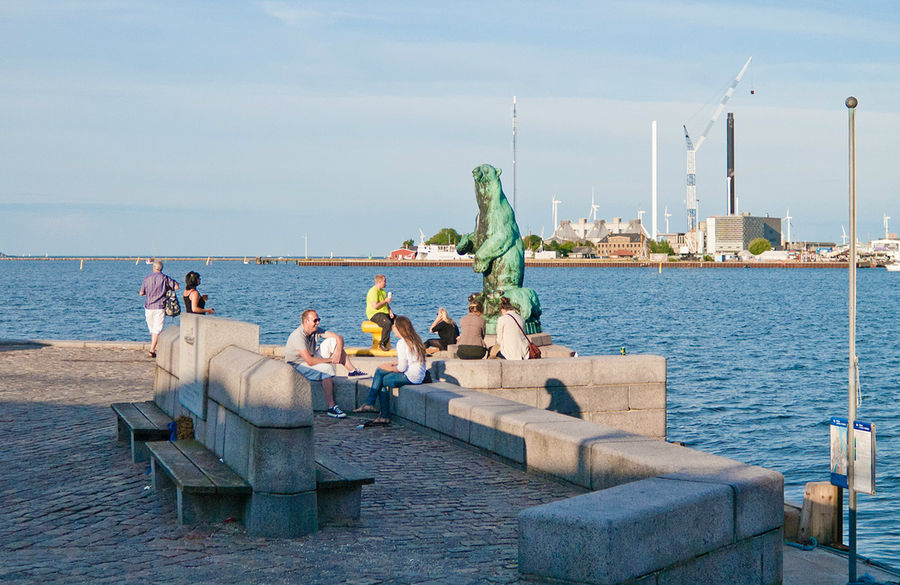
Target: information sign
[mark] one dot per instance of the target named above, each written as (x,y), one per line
(863,464)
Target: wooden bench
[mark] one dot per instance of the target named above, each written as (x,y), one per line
(338,490)
(139,422)
(207,489)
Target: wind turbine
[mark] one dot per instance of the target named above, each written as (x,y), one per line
(555,203)
(641,213)
(787,219)
(843,236)
(667,215)
(594,207)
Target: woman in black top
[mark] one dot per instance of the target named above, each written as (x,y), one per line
(194,302)
(447,333)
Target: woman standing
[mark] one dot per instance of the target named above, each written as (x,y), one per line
(447,333)
(511,333)
(194,302)
(408,369)
(471,337)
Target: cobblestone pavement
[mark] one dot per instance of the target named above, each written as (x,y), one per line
(74,509)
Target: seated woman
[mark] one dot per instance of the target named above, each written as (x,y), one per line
(471,339)
(511,339)
(194,302)
(408,369)
(447,332)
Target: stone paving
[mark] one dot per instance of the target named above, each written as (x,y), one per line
(74,509)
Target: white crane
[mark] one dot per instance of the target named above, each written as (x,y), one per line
(691,182)
(787,220)
(843,236)
(887,234)
(667,215)
(555,202)
(594,207)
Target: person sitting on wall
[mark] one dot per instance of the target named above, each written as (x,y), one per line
(378,310)
(408,369)
(512,344)
(447,332)
(471,337)
(314,352)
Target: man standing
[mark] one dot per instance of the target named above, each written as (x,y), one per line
(313,352)
(378,310)
(154,288)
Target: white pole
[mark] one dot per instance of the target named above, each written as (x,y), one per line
(851,448)
(515,132)
(653,177)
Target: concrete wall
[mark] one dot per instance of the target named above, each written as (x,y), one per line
(257,418)
(625,392)
(658,513)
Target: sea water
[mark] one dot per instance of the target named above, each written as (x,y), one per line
(757,358)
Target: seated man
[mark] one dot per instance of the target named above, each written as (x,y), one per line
(378,310)
(313,352)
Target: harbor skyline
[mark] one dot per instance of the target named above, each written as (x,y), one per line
(187,128)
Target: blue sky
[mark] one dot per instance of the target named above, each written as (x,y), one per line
(236,128)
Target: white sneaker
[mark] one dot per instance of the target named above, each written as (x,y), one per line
(336,412)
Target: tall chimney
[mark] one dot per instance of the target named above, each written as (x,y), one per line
(729,203)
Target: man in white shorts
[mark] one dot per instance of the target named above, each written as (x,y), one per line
(314,352)
(154,288)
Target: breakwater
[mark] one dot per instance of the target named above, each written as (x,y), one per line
(379,262)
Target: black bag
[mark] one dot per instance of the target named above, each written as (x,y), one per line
(171,305)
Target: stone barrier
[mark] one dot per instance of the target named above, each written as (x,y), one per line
(626,392)
(658,513)
(256,416)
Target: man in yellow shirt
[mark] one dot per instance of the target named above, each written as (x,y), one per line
(378,310)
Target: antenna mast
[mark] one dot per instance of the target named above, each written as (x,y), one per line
(515,129)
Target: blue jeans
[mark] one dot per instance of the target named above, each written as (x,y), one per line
(382,383)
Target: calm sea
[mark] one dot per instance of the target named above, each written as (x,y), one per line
(757,358)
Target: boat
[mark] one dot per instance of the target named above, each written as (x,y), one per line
(893,267)
(438,252)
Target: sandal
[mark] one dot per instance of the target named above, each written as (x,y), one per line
(377,422)
(151,354)
(365,408)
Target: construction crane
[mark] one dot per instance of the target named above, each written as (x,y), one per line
(692,148)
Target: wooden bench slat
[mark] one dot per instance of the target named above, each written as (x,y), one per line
(220,475)
(133,417)
(331,471)
(154,414)
(176,465)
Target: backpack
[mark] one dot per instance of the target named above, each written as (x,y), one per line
(171,305)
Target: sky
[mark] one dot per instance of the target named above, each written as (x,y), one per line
(287,128)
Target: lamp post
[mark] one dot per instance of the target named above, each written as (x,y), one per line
(851,104)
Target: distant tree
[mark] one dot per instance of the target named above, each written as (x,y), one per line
(707,258)
(759,245)
(444,237)
(563,250)
(531,242)
(408,244)
(662,247)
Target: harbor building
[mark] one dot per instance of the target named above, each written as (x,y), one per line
(628,245)
(730,234)
(596,230)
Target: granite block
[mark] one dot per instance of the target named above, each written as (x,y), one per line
(625,532)
(572,400)
(281,460)
(649,423)
(227,376)
(651,395)
(546,372)
(474,374)
(281,515)
(737,564)
(236,451)
(563,449)
(628,369)
(276,395)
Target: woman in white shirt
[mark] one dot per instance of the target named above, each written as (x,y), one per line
(511,333)
(408,369)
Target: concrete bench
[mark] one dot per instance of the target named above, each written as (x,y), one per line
(208,490)
(339,490)
(139,422)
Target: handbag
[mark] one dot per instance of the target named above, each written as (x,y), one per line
(171,305)
(534,352)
